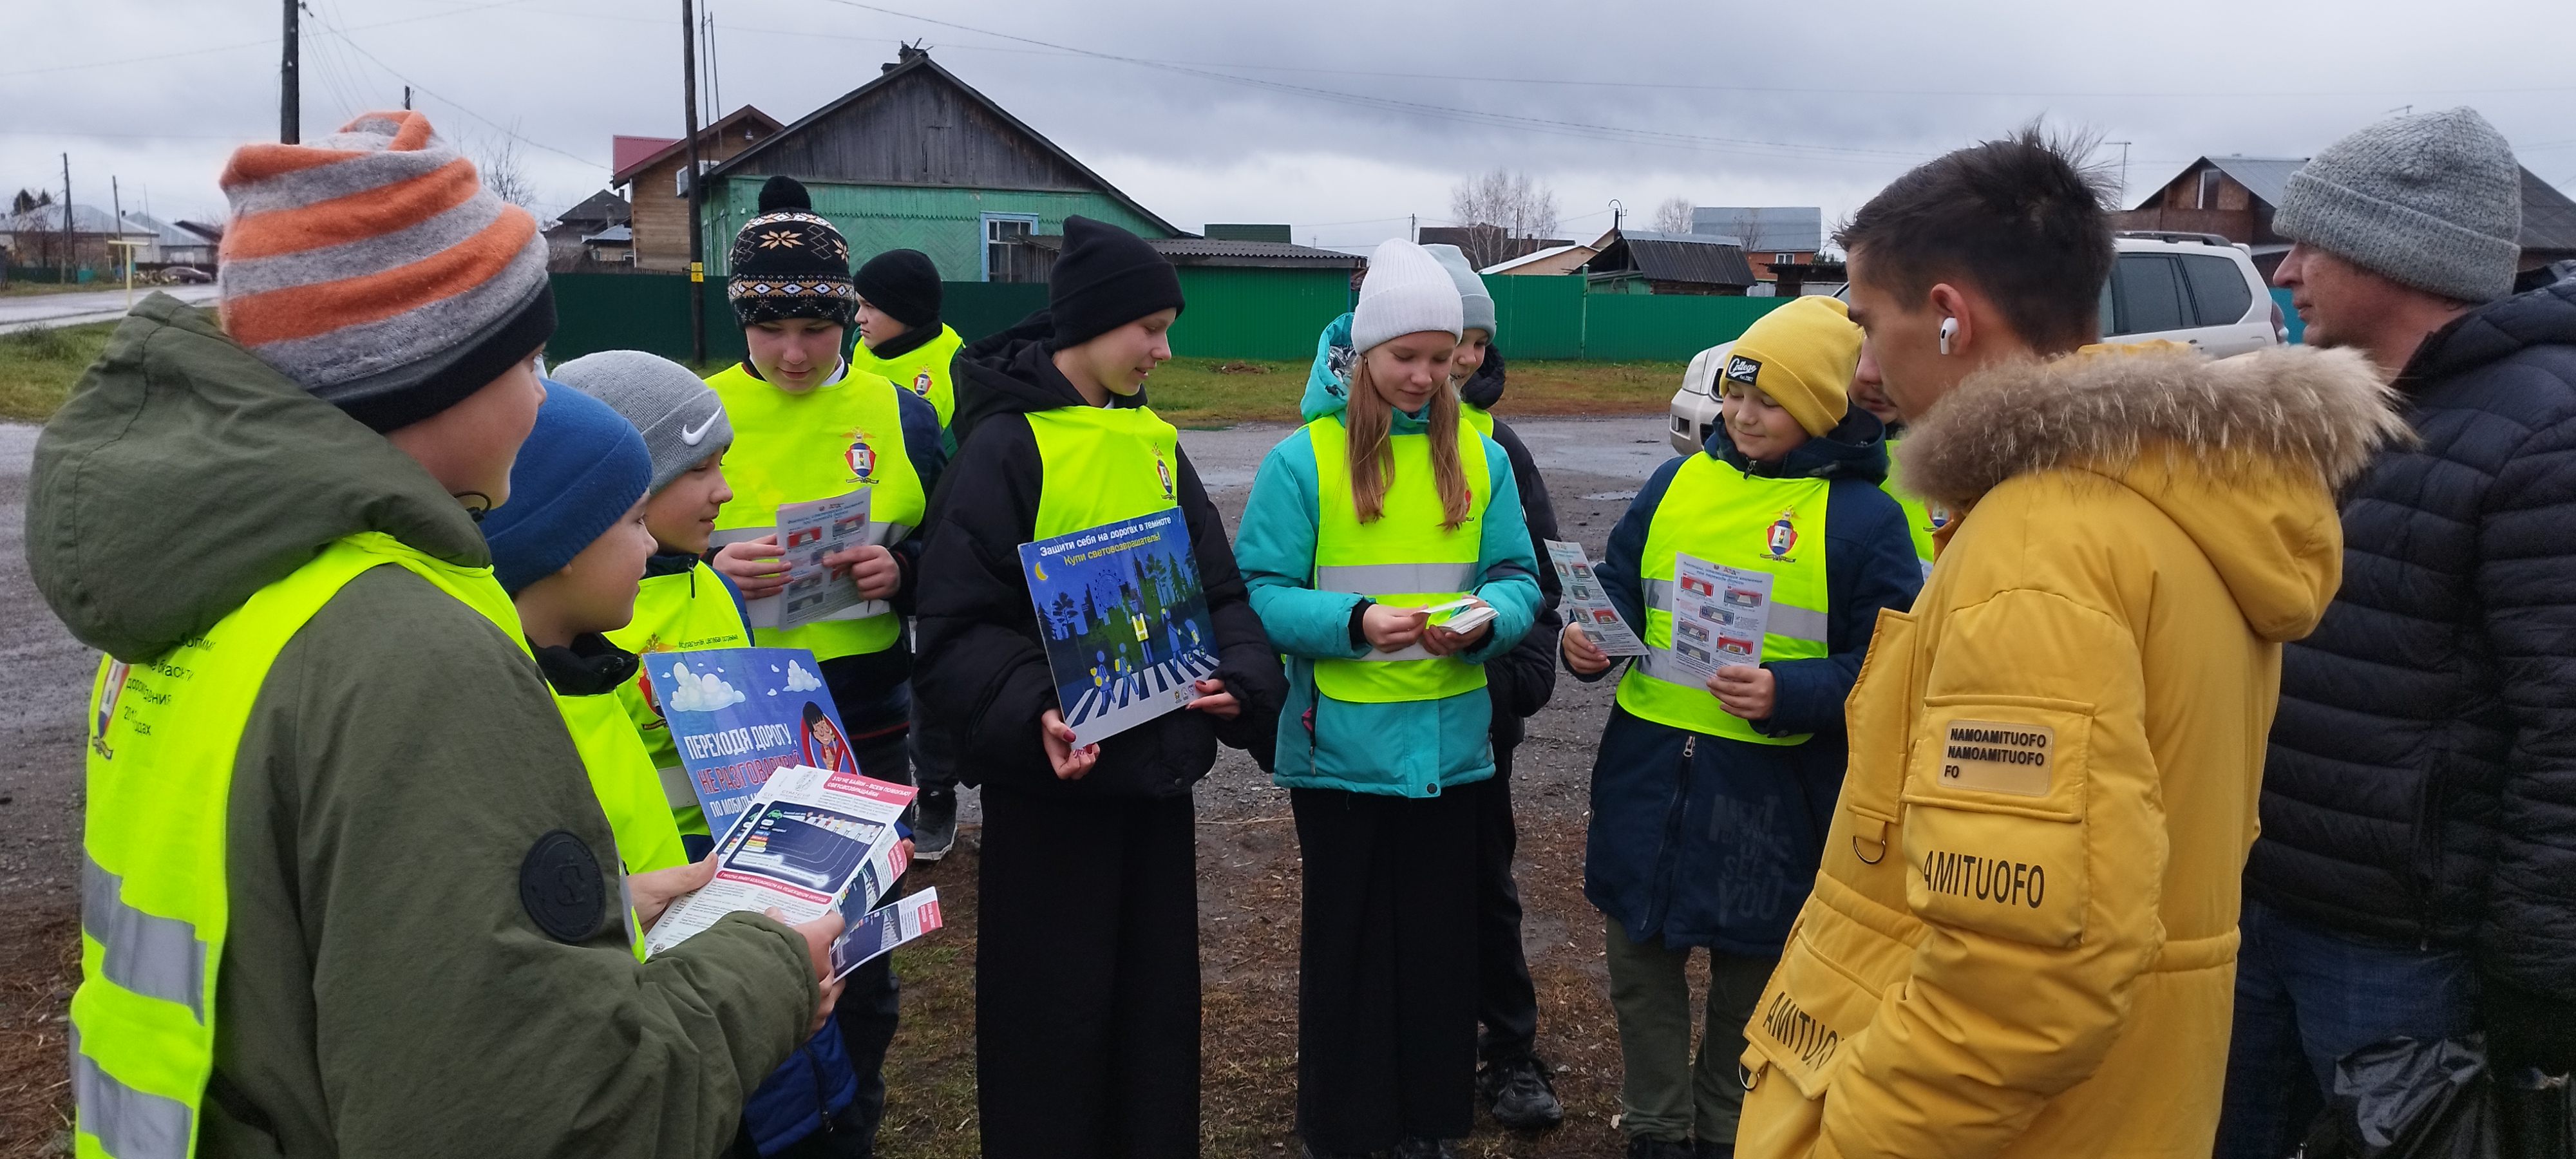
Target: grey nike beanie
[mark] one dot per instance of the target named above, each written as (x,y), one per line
(680,417)
(2432,200)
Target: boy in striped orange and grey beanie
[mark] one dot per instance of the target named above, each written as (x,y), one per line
(332,769)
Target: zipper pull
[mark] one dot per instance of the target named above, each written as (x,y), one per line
(1690,744)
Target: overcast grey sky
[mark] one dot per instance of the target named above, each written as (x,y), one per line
(1339,116)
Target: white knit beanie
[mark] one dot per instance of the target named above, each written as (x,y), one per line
(1405,292)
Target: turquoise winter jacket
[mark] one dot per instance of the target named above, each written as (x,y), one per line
(1405,749)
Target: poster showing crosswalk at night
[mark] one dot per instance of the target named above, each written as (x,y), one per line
(1124,621)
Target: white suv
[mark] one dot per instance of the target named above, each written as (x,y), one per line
(2195,288)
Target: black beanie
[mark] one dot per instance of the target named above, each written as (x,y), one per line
(1106,278)
(904,284)
(788,262)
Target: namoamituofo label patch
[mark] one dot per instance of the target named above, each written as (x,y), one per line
(1997,757)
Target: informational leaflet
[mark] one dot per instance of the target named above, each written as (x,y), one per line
(810,838)
(738,714)
(1718,615)
(1124,620)
(883,929)
(1587,606)
(806,533)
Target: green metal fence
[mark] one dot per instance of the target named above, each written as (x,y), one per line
(1233,313)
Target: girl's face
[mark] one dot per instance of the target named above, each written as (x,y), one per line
(1470,355)
(1407,369)
(1761,428)
(682,515)
(794,354)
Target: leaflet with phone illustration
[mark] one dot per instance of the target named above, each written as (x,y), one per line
(1718,615)
(811,838)
(1124,621)
(806,533)
(736,715)
(1587,606)
(881,931)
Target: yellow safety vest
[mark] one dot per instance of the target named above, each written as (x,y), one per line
(623,778)
(164,736)
(1477,417)
(1102,464)
(1713,511)
(682,612)
(1404,558)
(922,370)
(1921,519)
(795,448)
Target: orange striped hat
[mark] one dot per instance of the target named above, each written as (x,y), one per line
(373,268)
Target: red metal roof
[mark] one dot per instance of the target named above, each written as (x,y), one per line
(625,151)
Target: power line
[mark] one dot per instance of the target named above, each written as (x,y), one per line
(425,90)
(261,43)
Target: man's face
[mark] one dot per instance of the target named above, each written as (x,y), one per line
(794,354)
(1120,359)
(1904,340)
(876,327)
(2341,304)
(1867,389)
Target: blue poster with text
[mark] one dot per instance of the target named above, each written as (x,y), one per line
(1124,620)
(740,714)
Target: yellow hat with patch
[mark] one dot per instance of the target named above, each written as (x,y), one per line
(1802,355)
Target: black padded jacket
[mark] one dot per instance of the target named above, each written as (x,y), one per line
(2421,779)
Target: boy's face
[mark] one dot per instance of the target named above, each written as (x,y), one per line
(596,591)
(794,354)
(1120,359)
(470,447)
(682,515)
(1469,355)
(1761,428)
(1406,369)
(1869,391)
(876,327)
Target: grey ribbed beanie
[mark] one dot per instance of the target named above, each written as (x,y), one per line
(2433,200)
(680,417)
(1474,300)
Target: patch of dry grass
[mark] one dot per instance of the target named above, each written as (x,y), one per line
(38,367)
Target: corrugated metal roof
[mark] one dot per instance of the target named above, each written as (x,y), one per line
(2548,216)
(2267,178)
(1676,257)
(1182,249)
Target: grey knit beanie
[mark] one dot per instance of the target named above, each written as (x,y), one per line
(2433,200)
(1476,302)
(680,417)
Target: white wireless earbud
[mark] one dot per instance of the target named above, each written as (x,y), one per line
(1949,329)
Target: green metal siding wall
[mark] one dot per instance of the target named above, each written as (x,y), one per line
(1630,327)
(945,223)
(1537,316)
(1242,312)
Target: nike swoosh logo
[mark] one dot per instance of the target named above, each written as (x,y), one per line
(691,438)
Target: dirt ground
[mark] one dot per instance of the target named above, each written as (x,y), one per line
(1248,872)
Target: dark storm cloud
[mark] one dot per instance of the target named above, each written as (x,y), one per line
(1321,112)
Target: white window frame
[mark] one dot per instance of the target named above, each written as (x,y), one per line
(984,239)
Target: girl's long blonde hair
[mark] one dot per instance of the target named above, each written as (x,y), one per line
(1365,421)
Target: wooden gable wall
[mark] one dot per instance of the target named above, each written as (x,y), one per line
(920,130)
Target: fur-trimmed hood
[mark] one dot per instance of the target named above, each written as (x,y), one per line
(2243,453)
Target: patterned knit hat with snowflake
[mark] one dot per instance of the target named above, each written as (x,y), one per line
(790,263)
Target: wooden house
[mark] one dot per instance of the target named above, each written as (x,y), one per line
(657,198)
(1635,261)
(1769,235)
(917,159)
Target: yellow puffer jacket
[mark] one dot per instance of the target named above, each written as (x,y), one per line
(2022,940)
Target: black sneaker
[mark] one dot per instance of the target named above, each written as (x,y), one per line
(934,825)
(1521,1093)
(1640,1147)
(1417,1147)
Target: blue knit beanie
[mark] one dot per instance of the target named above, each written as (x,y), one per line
(582,467)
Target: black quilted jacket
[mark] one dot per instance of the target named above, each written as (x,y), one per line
(2421,782)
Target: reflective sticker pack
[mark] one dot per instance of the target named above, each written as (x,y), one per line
(1997,757)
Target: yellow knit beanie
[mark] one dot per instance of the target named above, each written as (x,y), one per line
(1802,355)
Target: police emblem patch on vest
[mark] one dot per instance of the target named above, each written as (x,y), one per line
(861,457)
(1782,536)
(559,886)
(1165,470)
(1742,369)
(921,383)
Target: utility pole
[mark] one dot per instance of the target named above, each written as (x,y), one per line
(116,200)
(697,230)
(406,96)
(1413,228)
(290,87)
(2124,171)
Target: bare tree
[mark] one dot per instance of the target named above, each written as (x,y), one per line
(1673,215)
(503,171)
(1499,210)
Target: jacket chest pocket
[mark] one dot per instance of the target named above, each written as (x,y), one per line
(1995,834)
(1876,717)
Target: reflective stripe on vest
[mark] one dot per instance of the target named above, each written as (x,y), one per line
(164,736)
(1100,464)
(923,371)
(796,448)
(1404,558)
(1715,512)
(1921,519)
(675,613)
